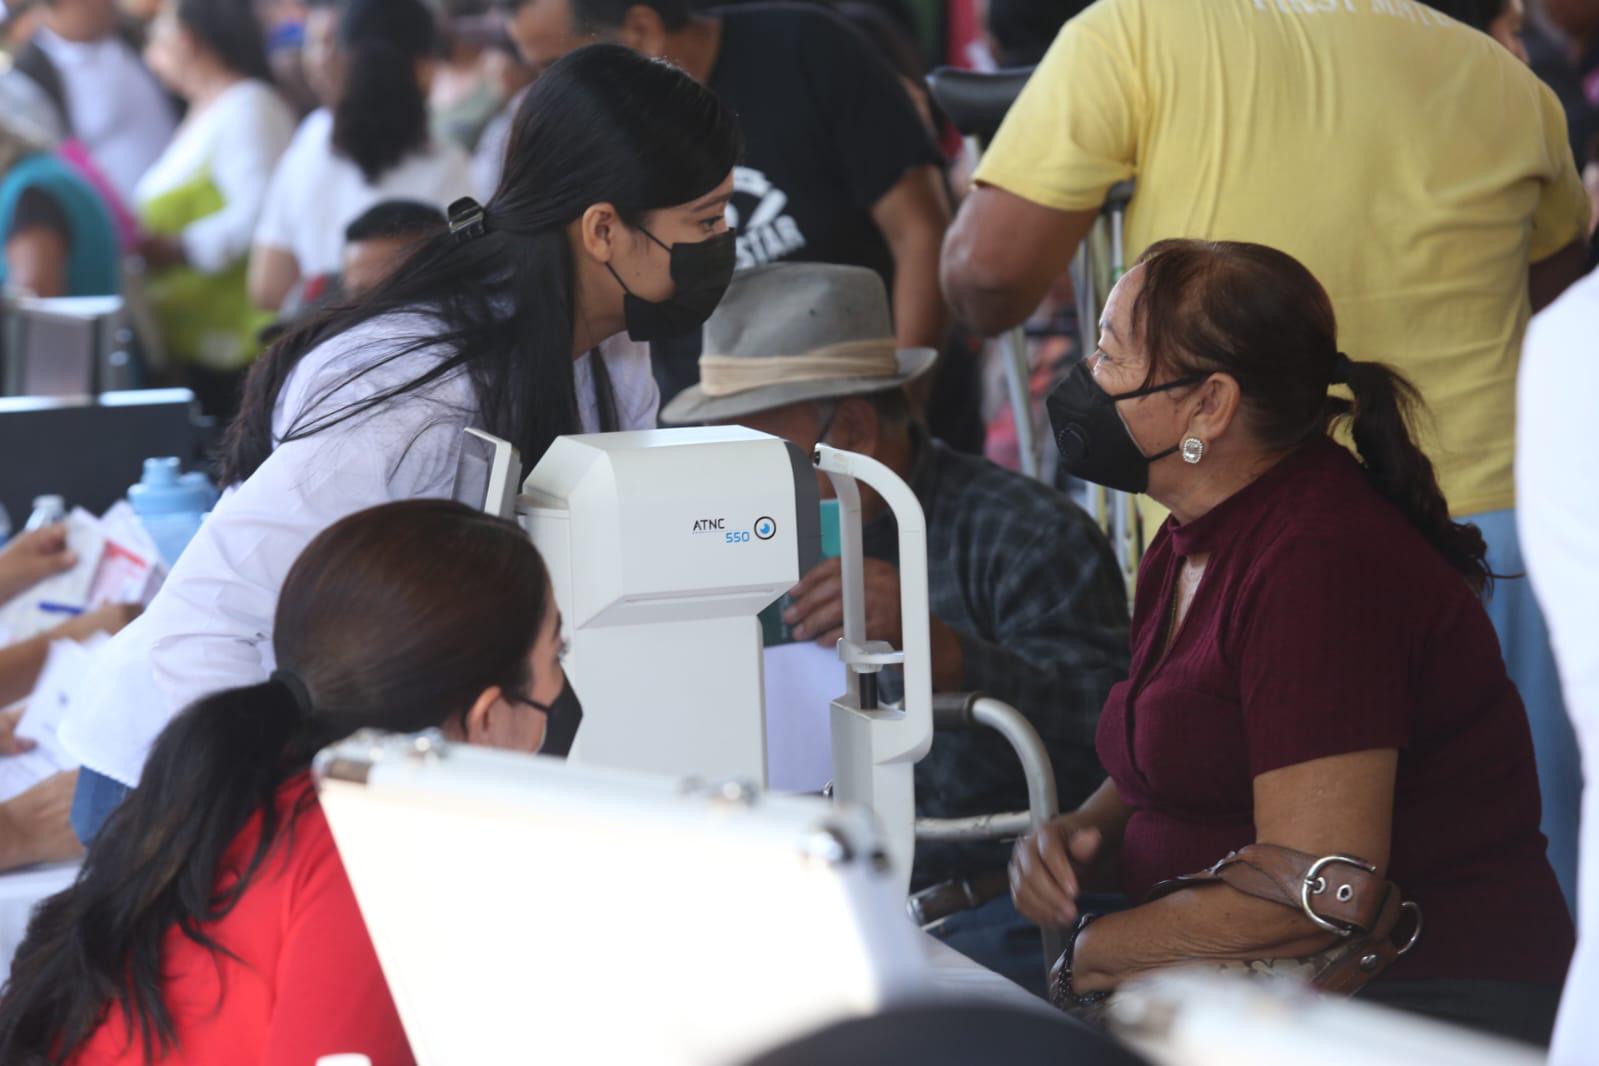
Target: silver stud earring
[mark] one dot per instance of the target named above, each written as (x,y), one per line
(1193,450)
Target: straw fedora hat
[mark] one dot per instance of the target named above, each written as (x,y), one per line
(795,332)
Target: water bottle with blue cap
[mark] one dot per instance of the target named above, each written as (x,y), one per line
(171,504)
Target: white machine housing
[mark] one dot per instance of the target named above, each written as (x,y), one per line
(876,746)
(663,547)
(528,910)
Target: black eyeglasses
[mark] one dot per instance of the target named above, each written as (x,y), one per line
(827,423)
(528,701)
(560,656)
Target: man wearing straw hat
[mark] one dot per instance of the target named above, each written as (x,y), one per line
(1027,602)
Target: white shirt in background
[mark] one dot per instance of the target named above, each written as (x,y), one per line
(237,140)
(1557,511)
(210,626)
(316,193)
(488,160)
(115,105)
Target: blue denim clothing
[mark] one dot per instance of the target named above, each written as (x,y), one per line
(1524,640)
(92,803)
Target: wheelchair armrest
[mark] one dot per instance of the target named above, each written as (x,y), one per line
(973,710)
(977,829)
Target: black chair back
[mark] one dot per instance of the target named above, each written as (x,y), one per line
(976,103)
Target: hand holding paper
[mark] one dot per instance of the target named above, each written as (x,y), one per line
(101,561)
(36,751)
(33,556)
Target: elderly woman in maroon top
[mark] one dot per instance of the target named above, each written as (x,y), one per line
(1313,675)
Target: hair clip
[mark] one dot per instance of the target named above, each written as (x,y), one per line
(468,221)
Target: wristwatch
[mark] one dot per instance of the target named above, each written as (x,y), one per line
(1060,983)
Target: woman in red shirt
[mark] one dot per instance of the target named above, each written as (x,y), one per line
(212,921)
(1313,675)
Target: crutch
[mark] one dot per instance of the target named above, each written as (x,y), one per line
(1100,264)
(976,104)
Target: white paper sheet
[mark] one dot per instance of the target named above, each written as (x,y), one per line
(802,681)
(65,669)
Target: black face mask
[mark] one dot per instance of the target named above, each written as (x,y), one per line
(701,273)
(564,716)
(1093,440)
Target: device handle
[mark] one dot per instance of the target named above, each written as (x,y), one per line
(911,737)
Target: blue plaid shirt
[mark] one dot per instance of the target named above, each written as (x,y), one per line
(1031,586)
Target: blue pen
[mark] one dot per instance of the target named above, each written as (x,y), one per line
(61,608)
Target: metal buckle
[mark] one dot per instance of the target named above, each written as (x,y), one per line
(1415,908)
(1315,883)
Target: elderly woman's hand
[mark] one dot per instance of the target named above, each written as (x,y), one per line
(1046,870)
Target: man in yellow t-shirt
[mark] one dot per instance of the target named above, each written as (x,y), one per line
(1414,165)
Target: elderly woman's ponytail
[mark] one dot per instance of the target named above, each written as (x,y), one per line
(1381,420)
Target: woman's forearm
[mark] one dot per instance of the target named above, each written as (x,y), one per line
(37,825)
(1215,924)
(20,664)
(1341,804)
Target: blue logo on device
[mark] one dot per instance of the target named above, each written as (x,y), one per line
(765,529)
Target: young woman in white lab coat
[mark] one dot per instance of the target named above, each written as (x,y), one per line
(610,215)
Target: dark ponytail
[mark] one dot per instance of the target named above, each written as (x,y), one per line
(1381,420)
(1257,315)
(382,113)
(151,869)
(396,618)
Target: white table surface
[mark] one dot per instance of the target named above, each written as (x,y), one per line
(957,976)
